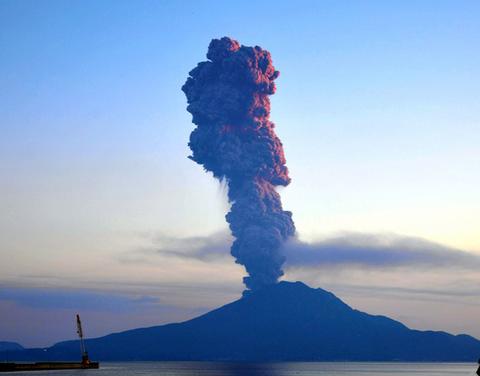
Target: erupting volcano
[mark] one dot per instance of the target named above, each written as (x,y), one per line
(228,96)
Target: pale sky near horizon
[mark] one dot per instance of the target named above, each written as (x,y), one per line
(377,105)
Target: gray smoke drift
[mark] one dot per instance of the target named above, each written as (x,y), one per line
(234,139)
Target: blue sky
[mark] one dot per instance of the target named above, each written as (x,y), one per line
(377,106)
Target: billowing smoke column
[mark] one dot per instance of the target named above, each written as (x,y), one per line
(234,139)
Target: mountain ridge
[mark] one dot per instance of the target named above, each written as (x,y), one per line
(288,321)
(10,346)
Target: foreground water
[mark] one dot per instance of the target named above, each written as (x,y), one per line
(269,369)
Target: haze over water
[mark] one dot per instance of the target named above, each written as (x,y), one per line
(276,369)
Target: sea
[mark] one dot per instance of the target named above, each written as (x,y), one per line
(269,369)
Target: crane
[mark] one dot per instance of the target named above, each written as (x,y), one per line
(83,349)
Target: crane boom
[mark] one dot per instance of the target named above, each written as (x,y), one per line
(83,349)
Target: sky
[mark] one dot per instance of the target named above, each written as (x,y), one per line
(102,213)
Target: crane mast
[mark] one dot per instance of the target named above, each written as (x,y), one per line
(83,349)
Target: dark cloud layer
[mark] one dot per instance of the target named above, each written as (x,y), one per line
(355,249)
(434,293)
(377,251)
(205,248)
(47,298)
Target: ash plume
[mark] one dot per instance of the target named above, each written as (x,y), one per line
(235,140)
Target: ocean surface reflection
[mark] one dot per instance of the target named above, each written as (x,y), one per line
(270,369)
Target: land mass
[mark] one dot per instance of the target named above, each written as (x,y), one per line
(10,346)
(288,321)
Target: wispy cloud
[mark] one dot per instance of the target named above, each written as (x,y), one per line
(377,251)
(205,248)
(46,298)
(346,249)
(440,294)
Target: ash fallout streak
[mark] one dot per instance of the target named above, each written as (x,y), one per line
(235,140)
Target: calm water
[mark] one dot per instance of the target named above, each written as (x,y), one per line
(270,369)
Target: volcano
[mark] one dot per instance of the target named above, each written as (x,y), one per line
(288,321)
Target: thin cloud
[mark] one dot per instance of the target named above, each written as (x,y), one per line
(408,293)
(347,249)
(203,248)
(47,298)
(377,251)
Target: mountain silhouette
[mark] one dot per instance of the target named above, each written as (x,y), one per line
(288,321)
(10,346)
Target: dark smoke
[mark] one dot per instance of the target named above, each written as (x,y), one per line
(234,139)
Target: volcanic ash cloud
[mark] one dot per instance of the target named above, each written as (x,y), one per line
(228,96)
